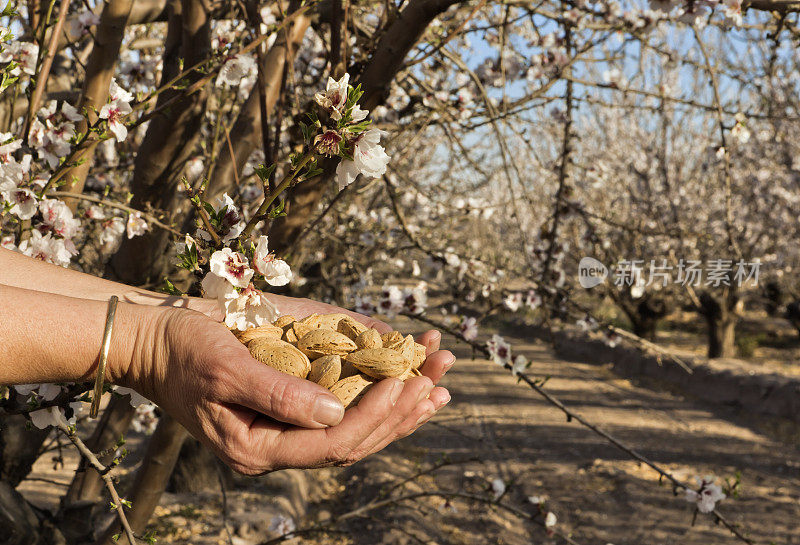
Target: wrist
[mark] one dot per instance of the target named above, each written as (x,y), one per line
(137,344)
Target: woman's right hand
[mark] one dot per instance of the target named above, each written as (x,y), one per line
(258,419)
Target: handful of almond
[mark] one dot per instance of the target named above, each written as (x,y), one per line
(336,351)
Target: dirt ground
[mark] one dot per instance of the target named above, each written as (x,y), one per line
(494,429)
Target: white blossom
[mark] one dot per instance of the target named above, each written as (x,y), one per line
(334,98)
(22,200)
(47,248)
(498,488)
(391,301)
(499,350)
(145,419)
(282,525)
(235,70)
(136,398)
(136,225)
(707,496)
(369,159)
(520,363)
(469,328)
(115,112)
(57,217)
(24,54)
(231,266)
(250,309)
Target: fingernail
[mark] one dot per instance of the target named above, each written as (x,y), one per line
(449,364)
(328,410)
(397,389)
(446,401)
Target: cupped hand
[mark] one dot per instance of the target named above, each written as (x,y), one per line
(258,419)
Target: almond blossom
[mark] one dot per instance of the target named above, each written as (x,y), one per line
(52,130)
(369,159)
(232,266)
(115,112)
(22,200)
(231,224)
(707,496)
(81,24)
(47,248)
(519,364)
(391,301)
(235,70)
(24,54)
(499,350)
(53,416)
(57,217)
(275,271)
(117,108)
(250,309)
(334,98)
(136,225)
(328,142)
(415,299)
(113,229)
(469,328)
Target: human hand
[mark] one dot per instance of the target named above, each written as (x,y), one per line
(257,419)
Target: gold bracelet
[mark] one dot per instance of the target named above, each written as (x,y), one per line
(101,365)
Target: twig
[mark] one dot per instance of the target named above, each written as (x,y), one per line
(149,217)
(571,415)
(44,74)
(269,199)
(104,474)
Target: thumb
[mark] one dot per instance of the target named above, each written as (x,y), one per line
(285,398)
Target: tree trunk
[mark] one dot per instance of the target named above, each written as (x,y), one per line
(99,72)
(169,142)
(648,313)
(721,315)
(793,314)
(152,477)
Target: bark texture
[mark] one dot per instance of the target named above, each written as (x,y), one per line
(100,69)
(169,142)
(721,313)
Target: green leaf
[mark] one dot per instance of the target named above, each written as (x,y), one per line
(278,211)
(169,288)
(264,172)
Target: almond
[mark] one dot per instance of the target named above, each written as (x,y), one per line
(351,327)
(282,356)
(289,335)
(283,321)
(379,362)
(326,370)
(393,337)
(348,370)
(321,342)
(266,331)
(349,390)
(370,338)
(324,321)
(301,329)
